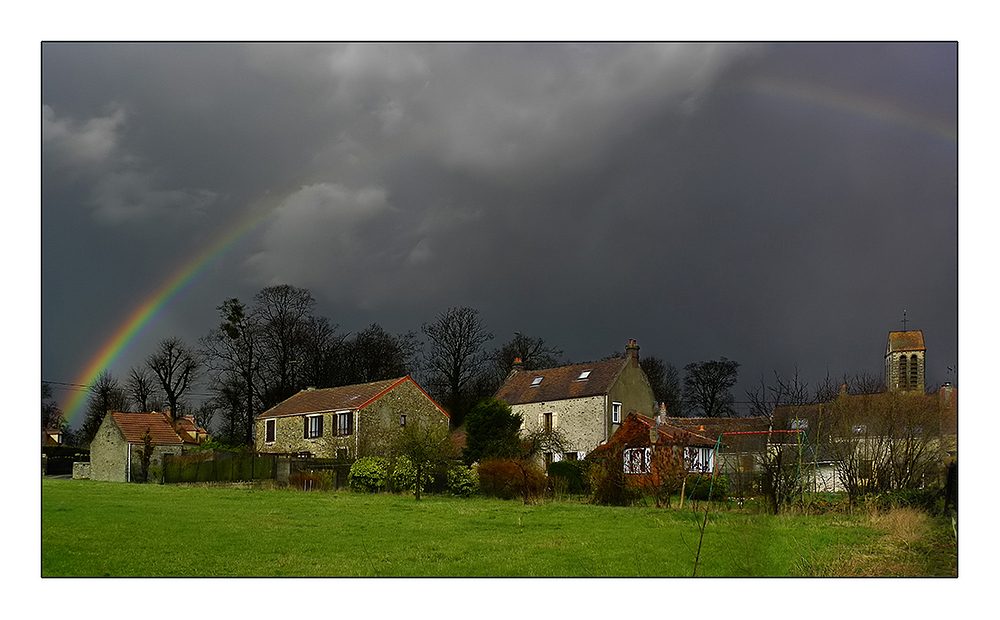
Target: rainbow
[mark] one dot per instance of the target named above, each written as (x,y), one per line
(860,106)
(153,306)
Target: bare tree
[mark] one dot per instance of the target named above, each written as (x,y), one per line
(864,382)
(176,367)
(282,314)
(456,355)
(707,387)
(827,390)
(665,381)
(52,416)
(534,353)
(375,355)
(106,394)
(232,354)
(142,387)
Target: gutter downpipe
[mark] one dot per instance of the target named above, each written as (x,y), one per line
(128,470)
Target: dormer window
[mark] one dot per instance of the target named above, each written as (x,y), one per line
(583,375)
(536,381)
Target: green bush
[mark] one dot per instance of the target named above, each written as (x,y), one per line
(463,481)
(404,476)
(368,474)
(698,486)
(576,475)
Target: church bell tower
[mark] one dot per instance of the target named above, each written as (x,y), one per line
(904,360)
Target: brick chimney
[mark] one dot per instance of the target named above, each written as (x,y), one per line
(518,365)
(632,352)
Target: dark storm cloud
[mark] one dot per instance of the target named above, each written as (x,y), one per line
(777,204)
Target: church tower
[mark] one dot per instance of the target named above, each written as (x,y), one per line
(904,361)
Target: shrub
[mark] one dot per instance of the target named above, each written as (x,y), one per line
(929,500)
(463,481)
(608,485)
(404,476)
(507,478)
(368,474)
(575,475)
(698,486)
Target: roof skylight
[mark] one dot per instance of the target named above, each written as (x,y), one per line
(536,381)
(583,375)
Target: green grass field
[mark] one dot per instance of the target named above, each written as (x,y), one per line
(98,529)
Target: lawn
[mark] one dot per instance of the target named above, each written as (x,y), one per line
(111,529)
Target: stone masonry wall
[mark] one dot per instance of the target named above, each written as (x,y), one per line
(108,453)
(580,421)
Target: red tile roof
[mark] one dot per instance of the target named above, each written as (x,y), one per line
(338,398)
(561,383)
(134,425)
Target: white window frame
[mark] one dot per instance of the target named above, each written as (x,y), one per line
(636,460)
(699,459)
(616,413)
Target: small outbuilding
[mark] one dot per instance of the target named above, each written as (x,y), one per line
(116,450)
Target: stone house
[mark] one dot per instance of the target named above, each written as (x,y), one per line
(115,451)
(346,422)
(584,404)
(643,441)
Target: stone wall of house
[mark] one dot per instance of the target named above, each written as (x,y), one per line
(289,436)
(580,421)
(108,453)
(633,391)
(380,422)
(372,430)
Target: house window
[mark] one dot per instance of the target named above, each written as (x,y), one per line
(402,420)
(570,456)
(616,413)
(342,454)
(269,430)
(536,381)
(314,426)
(344,422)
(547,422)
(799,424)
(699,460)
(548,459)
(583,375)
(636,460)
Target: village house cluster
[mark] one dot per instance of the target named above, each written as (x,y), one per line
(598,410)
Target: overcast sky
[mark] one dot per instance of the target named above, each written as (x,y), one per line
(776,204)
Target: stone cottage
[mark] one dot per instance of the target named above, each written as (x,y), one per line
(115,451)
(584,403)
(346,422)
